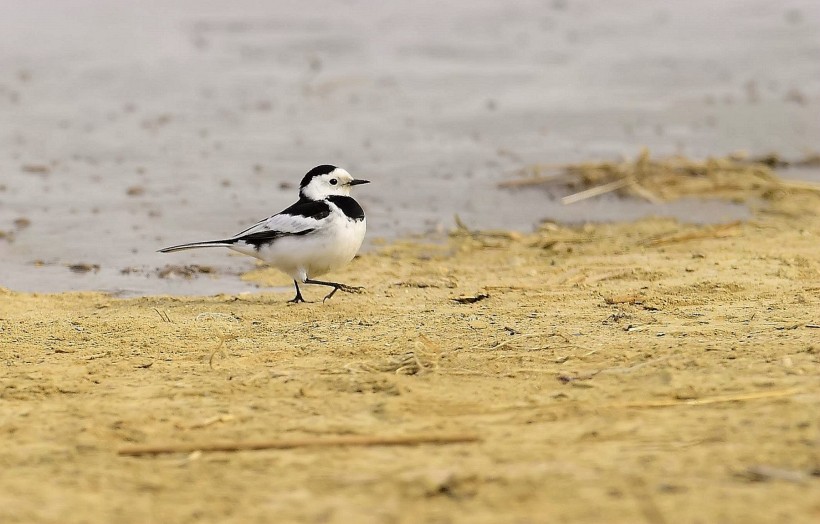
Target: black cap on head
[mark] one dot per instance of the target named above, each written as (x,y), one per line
(316,171)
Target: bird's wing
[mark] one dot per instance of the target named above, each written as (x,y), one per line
(302,218)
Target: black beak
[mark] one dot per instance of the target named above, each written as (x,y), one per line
(356,182)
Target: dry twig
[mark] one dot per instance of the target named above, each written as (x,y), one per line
(710,400)
(324,442)
(721,231)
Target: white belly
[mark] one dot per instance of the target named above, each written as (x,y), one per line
(314,254)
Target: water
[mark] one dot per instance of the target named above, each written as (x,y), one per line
(126,128)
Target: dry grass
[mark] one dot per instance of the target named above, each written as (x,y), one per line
(733,177)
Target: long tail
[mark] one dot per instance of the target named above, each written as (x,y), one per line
(197,245)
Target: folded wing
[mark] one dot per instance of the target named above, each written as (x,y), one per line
(302,218)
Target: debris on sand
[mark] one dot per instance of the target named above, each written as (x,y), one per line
(471,299)
(187,271)
(734,177)
(36,169)
(84,267)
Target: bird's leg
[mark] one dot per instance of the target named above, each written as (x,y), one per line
(336,287)
(298,298)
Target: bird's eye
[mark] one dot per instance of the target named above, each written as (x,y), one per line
(333,181)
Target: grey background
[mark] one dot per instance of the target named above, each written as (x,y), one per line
(210,113)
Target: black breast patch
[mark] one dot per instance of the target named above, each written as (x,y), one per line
(349,206)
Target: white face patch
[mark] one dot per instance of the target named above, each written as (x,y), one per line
(337,182)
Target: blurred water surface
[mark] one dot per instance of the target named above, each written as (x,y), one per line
(128,126)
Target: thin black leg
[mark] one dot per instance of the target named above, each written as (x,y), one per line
(298,298)
(336,287)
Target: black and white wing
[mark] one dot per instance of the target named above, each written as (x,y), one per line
(302,218)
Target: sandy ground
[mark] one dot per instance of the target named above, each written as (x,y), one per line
(639,372)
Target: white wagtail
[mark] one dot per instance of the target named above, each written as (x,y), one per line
(319,233)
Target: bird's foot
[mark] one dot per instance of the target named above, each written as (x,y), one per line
(345,288)
(298,298)
(351,289)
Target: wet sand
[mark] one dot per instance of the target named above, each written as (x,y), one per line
(649,371)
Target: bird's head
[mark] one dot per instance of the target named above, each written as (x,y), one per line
(324,181)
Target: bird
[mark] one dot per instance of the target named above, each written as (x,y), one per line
(321,232)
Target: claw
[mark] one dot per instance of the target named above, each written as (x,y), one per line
(335,285)
(345,288)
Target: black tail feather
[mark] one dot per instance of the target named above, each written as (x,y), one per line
(197,245)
